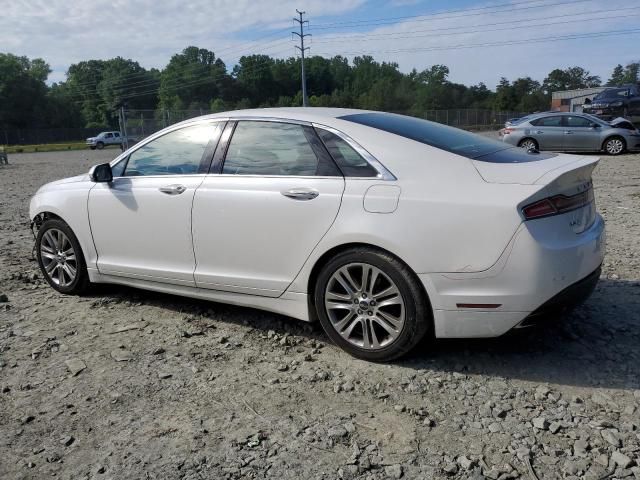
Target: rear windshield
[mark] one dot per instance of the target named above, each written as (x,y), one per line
(446,138)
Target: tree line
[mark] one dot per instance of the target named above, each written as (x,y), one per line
(195,79)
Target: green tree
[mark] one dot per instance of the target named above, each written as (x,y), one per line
(569,79)
(23,92)
(617,76)
(193,78)
(631,72)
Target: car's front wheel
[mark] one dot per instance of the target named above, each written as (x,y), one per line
(371,305)
(99,145)
(60,258)
(614,145)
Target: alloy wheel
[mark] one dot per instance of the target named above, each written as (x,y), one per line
(614,146)
(364,306)
(59,258)
(528,145)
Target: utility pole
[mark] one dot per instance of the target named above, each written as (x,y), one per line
(302,48)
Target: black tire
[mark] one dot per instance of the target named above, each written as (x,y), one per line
(99,145)
(92,148)
(418,319)
(614,145)
(80,283)
(529,139)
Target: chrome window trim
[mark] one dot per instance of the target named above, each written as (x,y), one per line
(383,172)
(257,118)
(181,175)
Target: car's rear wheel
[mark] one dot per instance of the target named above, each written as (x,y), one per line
(371,305)
(60,258)
(615,145)
(528,144)
(99,145)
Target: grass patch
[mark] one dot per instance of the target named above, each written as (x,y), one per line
(47,147)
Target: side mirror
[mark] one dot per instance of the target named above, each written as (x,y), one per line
(595,125)
(101,173)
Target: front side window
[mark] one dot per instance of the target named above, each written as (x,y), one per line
(350,162)
(108,135)
(271,148)
(577,121)
(179,152)
(555,121)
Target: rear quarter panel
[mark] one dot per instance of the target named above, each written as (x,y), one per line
(448,219)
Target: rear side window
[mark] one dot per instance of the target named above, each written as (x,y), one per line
(349,161)
(273,148)
(555,121)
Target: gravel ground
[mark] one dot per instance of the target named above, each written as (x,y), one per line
(128,384)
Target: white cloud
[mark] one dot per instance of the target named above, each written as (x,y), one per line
(149,31)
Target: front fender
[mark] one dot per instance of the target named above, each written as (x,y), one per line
(71,205)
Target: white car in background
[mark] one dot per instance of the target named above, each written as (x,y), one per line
(386,228)
(104,139)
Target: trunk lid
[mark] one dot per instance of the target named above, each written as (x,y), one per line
(561,177)
(539,172)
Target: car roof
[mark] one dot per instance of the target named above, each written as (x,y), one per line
(303,114)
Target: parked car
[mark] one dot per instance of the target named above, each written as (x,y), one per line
(573,132)
(104,139)
(616,102)
(384,227)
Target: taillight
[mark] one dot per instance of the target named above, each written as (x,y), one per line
(557,204)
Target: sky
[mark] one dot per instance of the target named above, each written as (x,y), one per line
(479,40)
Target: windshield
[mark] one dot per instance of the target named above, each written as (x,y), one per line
(435,134)
(613,93)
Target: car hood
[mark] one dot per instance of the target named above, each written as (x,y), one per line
(622,123)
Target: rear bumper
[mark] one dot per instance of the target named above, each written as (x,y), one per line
(534,269)
(563,302)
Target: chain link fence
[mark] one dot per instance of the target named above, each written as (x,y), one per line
(139,124)
(471,118)
(39,136)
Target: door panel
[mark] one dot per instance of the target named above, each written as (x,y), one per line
(581,138)
(548,132)
(141,226)
(579,135)
(252,234)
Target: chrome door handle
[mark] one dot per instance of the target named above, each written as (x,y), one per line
(173,189)
(301,193)
(539,132)
(568,132)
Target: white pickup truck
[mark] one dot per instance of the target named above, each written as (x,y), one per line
(104,139)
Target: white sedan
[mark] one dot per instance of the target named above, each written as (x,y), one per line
(383,227)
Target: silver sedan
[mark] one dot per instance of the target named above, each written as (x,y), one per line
(572,132)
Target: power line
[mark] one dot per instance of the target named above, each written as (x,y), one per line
(444,12)
(466,32)
(573,15)
(228,50)
(200,69)
(302,48)
(502,43)
(431,16)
